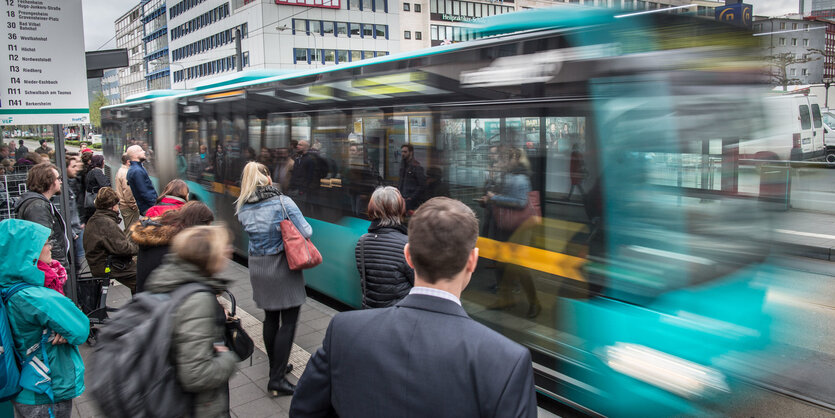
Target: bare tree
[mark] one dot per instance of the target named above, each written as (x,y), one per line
(779,65)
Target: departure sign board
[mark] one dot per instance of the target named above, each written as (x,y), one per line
(43,71)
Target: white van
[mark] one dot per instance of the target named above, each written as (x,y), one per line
(795,131)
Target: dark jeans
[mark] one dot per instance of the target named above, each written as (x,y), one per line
(59,410)
(279,330)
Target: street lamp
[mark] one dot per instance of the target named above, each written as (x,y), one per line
(182,67)
(283,28)
(826,83)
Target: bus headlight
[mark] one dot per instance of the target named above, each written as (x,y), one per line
(667,372)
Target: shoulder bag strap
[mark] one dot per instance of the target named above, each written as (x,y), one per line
(286,215)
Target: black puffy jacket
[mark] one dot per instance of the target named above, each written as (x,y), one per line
(388,278)
(33,206)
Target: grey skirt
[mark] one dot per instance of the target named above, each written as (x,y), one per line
(274,285)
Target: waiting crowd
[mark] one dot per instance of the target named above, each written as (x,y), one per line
(413,351)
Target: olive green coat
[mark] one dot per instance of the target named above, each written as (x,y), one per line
(197,326)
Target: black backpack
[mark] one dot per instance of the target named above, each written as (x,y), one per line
(131,368)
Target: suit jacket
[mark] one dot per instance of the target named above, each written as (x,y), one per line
(423,357)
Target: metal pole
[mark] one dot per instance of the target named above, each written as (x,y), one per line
(239,56)
(60,162)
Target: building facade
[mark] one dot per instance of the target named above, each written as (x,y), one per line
(129,34)
(828,46)
(276,34)
(795,48)
(155,40)
(820,8)
(110,86)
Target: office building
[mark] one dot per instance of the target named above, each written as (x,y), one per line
(794,48)
(129,33)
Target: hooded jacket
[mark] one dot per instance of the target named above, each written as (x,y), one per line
(198,324)
(388,278)
(33,206)
(102,238)
(36,308)
(165,204)
(154,241)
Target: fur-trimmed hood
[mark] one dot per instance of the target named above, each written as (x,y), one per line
(148,232)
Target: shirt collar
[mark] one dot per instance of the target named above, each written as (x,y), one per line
(438,293)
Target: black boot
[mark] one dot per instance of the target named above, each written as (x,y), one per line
(283,388)
(288,369)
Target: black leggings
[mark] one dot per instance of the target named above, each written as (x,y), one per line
(279,330)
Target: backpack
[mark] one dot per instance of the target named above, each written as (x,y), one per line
(138,339)
(22,372)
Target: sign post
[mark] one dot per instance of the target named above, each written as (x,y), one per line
(44,78)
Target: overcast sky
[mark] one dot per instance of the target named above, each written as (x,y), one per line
(100,16)
(99,21)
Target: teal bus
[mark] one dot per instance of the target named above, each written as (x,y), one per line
(634,290)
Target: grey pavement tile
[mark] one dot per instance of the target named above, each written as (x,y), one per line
(303,329)
(284,402)
(244,394)
(310,340)
(320,324)
(256,372)
(311,315)
(87,409)
(238,379)
(260,408)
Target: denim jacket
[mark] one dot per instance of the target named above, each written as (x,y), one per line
(261,216)
(514,193)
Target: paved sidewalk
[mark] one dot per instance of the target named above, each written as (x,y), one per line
(248,386)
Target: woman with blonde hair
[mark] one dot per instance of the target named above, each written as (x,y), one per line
(203,368)
(173,197)
(276,289)
(384,274)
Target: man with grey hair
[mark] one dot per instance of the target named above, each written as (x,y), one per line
(127,203)
(138,180)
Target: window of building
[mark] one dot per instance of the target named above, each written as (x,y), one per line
(433,6)
(793,71)
(299,25)
(330,56)
(803,72)
(356,55)
(367,30)
(805,26)
(341,29)
(368,54)
(782,25)
(417,8)
(782,41)
(341,56)
(381,6)
(794,25)
(355,29)
(380,31)
(433,33)
(794,41)
(315,26)
(367,5)
(407,34)
(315,55)
(805,42)
(405,7)
(418,36)
(354,4)
(327,28)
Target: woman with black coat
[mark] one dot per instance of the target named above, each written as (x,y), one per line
(384,274)
(154,236)
(93,181)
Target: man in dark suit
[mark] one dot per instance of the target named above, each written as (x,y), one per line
(423,356)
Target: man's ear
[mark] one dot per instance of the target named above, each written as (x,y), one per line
(408,257)
(472,260)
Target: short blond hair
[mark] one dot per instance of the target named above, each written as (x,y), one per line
(203,246)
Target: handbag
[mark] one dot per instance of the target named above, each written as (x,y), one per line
(89,200)
(509,219)
(234,335)
(300,251)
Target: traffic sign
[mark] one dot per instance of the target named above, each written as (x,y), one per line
(42,67)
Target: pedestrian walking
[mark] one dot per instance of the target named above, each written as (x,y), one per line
(173,197)
(35,205)
(127,203)
(105,242)
(203,364)
(424,356)
(412,178)
(76,227)
(138,180)
(154,235)
(385,276)
(276,289)
(21,150)
(34,309)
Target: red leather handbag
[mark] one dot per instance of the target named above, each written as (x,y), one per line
(300,252)
(509,219)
